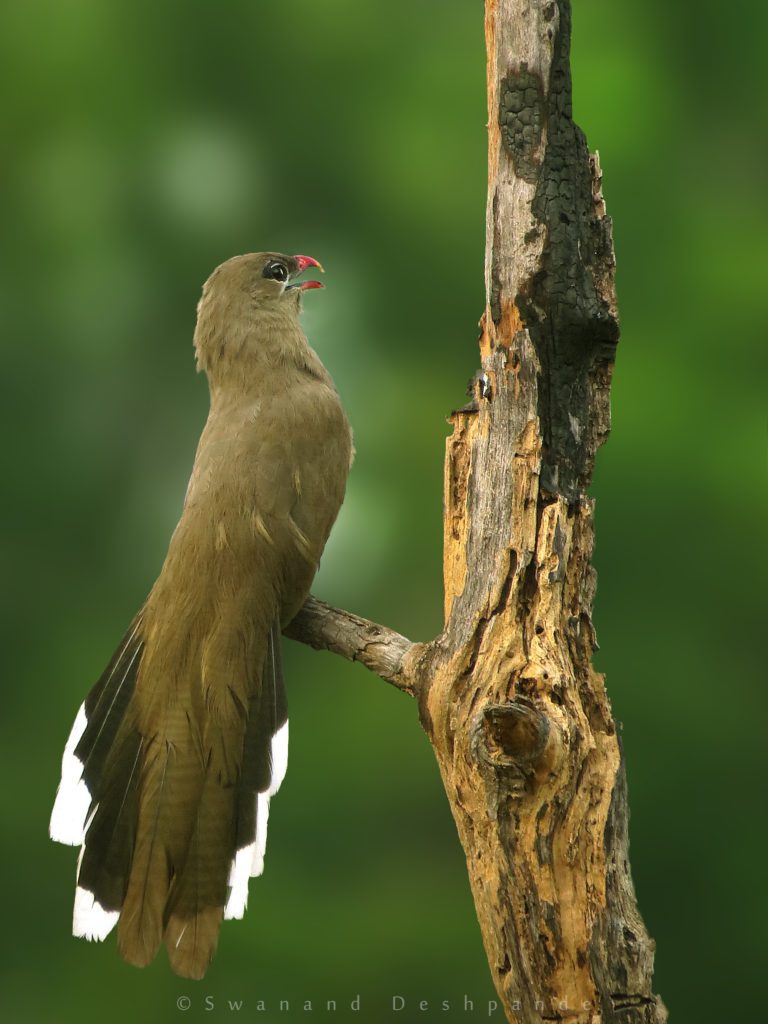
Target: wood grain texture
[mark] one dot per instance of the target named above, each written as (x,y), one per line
(381,650)
(518,718)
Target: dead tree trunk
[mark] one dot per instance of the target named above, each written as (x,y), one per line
(519,720)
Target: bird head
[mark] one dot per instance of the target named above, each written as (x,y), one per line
(265,279)
(259,291)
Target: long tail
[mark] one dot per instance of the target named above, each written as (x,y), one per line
(172,822)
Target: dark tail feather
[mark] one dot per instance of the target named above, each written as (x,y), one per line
(178,883)
(92,738)
(141,920)
(227,844)
(105,861)
(196,905)
(99,772)
(265,760)
(106,704)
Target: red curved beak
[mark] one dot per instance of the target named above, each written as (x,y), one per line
(304,262)
(307,261)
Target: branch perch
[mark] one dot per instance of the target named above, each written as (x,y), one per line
(382,651)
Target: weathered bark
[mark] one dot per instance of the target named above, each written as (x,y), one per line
(381,650)
(519,720)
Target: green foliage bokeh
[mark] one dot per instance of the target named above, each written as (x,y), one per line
(142,144)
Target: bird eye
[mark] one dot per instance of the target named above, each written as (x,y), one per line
(276,271)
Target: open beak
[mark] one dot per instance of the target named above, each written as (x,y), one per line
(304,262)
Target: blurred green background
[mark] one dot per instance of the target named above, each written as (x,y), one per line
(143,143)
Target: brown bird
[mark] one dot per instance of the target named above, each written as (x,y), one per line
(173,757)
